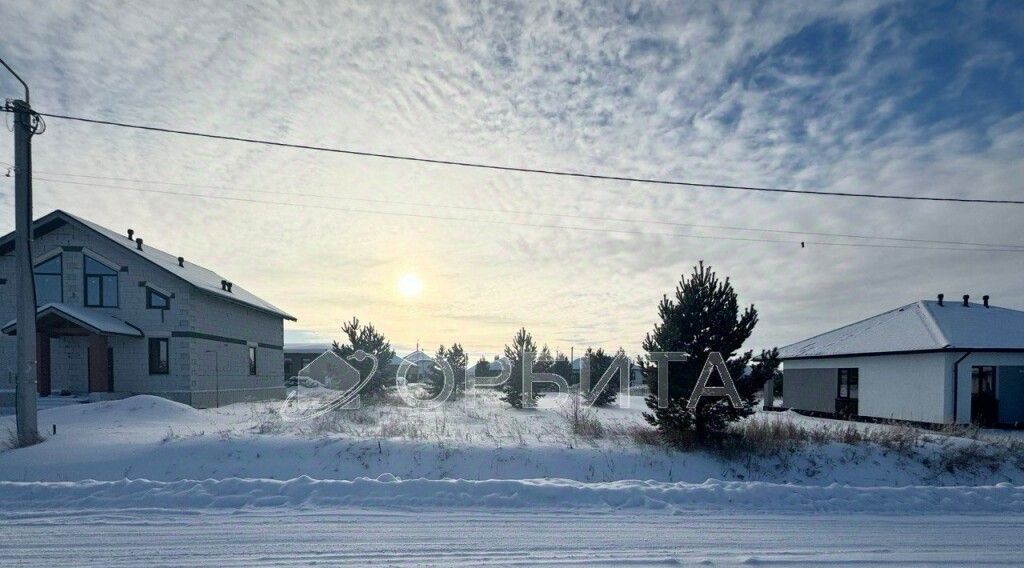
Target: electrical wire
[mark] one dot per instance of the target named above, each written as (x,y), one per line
(538,213)
(322,207)
(529,170)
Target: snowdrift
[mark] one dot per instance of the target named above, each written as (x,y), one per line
(387,491)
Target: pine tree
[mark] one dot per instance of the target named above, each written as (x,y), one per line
(703,317)
(562,367)
(456,358)
(522,343)
(368,339)
(599,363)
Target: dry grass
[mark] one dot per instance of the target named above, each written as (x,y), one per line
(581,420)
(775,436)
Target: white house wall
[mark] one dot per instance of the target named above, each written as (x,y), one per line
(904,387)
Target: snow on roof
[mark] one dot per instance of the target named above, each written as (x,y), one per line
(206,280)
(415,357)
(921,326)
(94,321)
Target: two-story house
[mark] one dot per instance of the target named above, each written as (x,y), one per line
(117,317)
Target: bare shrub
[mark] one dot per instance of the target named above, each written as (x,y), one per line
(971,457)
(896,437)
(269,422)
(643,435)
(580,419)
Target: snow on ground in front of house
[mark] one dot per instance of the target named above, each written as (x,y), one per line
(148,481)
(477,438)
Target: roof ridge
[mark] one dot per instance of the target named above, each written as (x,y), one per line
(932,325)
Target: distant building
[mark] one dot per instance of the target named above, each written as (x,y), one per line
(299,355)
(930,361)
(117,316)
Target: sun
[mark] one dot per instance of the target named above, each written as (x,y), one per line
(409,285)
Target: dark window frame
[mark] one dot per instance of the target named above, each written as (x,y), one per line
(59,274)
(851,377)
(252,360)
(156,366)
(149,300)
(986,372)
(100,279)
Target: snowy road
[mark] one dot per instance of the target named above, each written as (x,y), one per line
(287,536)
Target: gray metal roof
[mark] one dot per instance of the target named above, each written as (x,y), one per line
(204,279)
(921,326)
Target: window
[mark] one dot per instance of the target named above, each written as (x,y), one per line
(983,380)
(49,277)
(100,284)
(159,356)
(848,384)
(157,301)
(252,360)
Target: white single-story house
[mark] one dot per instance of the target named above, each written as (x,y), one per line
(931,361)
(117,317)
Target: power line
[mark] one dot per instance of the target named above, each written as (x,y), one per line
(562,173)
(526,224)
(540,213)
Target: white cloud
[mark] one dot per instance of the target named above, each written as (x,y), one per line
(706,92)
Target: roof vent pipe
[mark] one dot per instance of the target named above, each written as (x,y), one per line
(138,243)
(941,296)
(966,298)
(985,300)
(181,261)
(131,233)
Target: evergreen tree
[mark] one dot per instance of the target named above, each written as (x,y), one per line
(522,343)
(703,317)
(482,368)
(455,357)
(599,363)
(368,339)
(562,367)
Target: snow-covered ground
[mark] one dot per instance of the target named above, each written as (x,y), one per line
(146,480)
(478,438)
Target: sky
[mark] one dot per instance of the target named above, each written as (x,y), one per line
(919,98)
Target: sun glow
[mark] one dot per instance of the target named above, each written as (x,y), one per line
(409,285)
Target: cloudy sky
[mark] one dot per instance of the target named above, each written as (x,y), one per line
(918,98)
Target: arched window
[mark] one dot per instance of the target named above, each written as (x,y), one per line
(100,284)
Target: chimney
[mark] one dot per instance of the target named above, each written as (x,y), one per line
(941,296)
(181,261)
(138,243)
(131,233)
(966,298)
(223,284)
(229,287)
(985,300)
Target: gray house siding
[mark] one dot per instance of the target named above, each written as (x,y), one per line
(1010,392)
(196,324)
(810,389)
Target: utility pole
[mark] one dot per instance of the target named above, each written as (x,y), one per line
(25,396)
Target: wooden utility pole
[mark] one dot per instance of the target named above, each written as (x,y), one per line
(25,396)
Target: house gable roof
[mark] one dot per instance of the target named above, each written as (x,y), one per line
(923,326)
(203,279)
